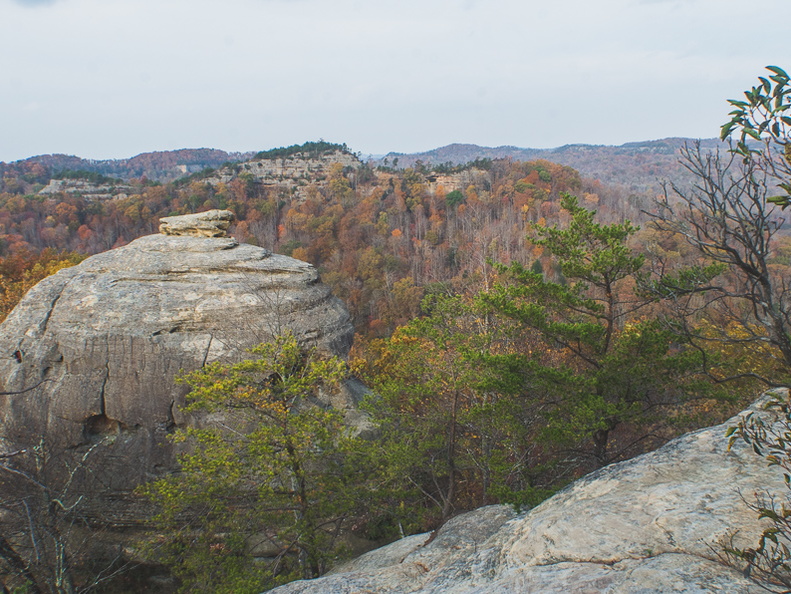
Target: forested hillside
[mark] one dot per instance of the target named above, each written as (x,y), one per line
(379,236)
(638,166)
(160,165)
(519,324)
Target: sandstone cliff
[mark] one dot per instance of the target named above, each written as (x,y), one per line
(93,350)
(649,525)
(290,174)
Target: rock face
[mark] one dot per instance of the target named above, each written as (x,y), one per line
(293,174)
(86,189)
(648,525)
(94,348)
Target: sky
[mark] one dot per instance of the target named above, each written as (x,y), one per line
(113,78)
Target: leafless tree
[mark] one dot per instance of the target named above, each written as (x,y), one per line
(726,218)
(47,536)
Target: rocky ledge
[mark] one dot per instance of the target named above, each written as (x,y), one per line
(655,524)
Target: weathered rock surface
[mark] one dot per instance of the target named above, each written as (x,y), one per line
(87,189)
(649,525)
(212,223)
(94,349)
(294,173)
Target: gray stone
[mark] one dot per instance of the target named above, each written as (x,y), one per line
(94,349)
(653,524)
(212,223)
(347,400)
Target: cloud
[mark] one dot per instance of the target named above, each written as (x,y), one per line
(33,3)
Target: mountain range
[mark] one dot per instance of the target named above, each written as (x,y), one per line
(638,166)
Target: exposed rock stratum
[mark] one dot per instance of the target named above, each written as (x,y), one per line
(94,349)
(212,223)
(651,525)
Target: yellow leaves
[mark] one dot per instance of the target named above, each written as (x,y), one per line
(275,409)
(733,330)
(741,349)
(369,264)
(633,327)
(591,199)
(336,171)
(300,253)
(296,220)
(47,264)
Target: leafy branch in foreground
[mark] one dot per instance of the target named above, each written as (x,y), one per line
(270,479)
(769,561)
(728,217)
(763,121)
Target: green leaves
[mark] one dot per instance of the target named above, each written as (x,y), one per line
(265,462)
(589,251)
(598,365)
(688,280)
(451,407)
(761,125)
(595,259)
(770,437)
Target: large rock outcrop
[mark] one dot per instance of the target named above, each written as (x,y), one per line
(94,349)
(295,173)
(654,524)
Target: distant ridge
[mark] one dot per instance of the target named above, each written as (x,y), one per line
(639,166)
(157,165)
(458,153)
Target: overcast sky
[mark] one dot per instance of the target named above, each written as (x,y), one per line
(114,78)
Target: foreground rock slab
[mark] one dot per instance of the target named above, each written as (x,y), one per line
(654,524)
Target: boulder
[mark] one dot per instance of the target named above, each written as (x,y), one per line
(93,350)
(212,223)
(654,524)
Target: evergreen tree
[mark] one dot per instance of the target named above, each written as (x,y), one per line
(605,372)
